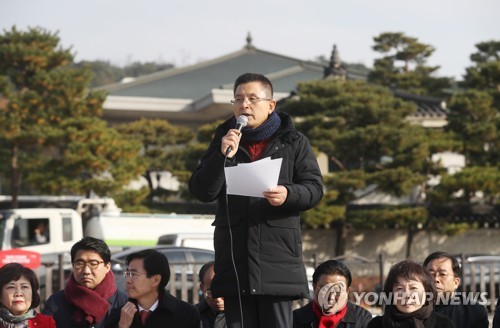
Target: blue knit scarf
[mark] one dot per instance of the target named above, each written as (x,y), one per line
(264,131)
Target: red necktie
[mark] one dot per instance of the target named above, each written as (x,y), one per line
(144,314)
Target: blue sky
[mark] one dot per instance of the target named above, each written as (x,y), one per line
(189,31)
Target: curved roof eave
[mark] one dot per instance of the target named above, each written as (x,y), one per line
(176,71)
(214,106)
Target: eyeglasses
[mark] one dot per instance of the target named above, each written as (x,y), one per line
(80,264)
(252,100)
(439,274)
(132,274)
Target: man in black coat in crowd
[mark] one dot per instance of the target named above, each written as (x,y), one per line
(446,271)
(342,314)
(211,308)
(90,293)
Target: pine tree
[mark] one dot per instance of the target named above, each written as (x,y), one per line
(403,66)
(474,119)
(162,143)
(52,133)
(372,148)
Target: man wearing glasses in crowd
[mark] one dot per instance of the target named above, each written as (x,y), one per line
(446,271)
(147,275)
(90,292)
(211,309)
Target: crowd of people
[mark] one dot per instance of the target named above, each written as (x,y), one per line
(258,269)
(416,295)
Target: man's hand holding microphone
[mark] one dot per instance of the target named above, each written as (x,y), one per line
(231,140)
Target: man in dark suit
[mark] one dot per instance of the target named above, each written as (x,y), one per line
(446,271)
(149,305)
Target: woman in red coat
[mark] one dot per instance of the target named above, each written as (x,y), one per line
(19,298)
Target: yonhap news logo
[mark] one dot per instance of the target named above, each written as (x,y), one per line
(374,298)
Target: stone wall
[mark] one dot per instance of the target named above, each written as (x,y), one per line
(391,243)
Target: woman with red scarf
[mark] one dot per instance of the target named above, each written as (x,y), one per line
(19,298)
(330,308)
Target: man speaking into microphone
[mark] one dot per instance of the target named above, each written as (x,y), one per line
(257,240)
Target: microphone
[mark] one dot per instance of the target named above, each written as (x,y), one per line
(241,122)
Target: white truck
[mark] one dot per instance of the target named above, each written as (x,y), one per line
(53,231)
(137,229)
(48,232)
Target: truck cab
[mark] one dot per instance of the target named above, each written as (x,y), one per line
(48,231)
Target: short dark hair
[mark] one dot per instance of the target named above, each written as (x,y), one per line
(410,270)
(92,244)
(254,77)
(204,270)
(14,272)
(332,267)
(154,263)
(443,255)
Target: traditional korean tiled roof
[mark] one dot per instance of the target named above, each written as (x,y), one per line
(200,93)
(487,216)
(428,108)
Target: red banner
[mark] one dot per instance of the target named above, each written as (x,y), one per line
(27,258)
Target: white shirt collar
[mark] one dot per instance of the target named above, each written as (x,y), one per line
(152,308)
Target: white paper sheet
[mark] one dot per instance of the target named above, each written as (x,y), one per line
(252,179)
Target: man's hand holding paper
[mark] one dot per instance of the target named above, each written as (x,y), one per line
(257,179)
(276,196)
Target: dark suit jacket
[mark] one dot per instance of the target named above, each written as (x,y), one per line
(170,312)
(434,321)
(209,318)
(465,316)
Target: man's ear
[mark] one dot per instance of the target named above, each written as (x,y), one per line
(156,279)
(272,106)
(457,282)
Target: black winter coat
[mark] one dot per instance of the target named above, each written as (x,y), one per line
(496,318)
(355,317)
(465,315)
(434,321)
(62,311)
(209,318)
(266,239)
